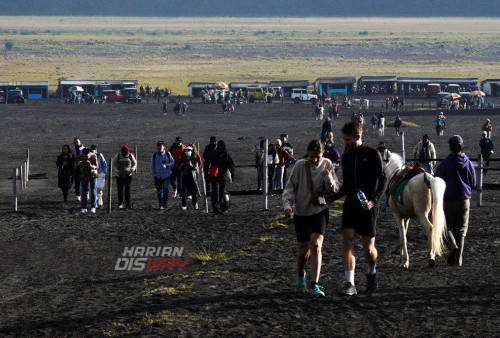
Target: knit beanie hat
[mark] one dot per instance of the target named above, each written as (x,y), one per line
(125,151)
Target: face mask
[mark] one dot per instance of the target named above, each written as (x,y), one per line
(188,153)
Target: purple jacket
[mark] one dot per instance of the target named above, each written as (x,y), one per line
(460,176)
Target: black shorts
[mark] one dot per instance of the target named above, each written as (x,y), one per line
(305,226)
(364,222)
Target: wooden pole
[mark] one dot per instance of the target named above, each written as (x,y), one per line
(21,171)
(25,164)
(135,151)
(28,163)
(14,187)
(480,181)
(204,184)
(110,171)
(264,175)
(402,136)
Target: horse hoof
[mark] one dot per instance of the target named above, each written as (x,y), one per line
(432,263)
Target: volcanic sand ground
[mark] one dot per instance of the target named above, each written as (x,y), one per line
(57,265)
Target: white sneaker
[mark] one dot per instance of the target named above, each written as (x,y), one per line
(184,208)
(78,198)
(196,206)
(92,210)
(121,206)
(190,197)
(175,193)
(84,211)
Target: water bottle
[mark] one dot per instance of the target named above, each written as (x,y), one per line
(362,197)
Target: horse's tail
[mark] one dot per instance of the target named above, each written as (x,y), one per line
(438,230)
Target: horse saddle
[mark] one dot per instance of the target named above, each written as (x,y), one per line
(398,182)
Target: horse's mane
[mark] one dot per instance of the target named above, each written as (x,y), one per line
(395,162)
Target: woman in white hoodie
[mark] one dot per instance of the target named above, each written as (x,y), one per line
(310,180)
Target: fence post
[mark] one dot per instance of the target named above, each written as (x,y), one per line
(21,172)
(480,181)
(14,187)
(136,162)
(402,137)
(110,171)
(27,163)
(264,175)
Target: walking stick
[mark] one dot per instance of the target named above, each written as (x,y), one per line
(205,211)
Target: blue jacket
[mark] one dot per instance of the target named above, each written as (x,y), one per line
(102,165)
(460,176)
(156,164)
(486,146)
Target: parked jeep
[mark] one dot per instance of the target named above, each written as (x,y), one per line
(301,94)
(258,93)
(131,95)
(15,96)
(111,95)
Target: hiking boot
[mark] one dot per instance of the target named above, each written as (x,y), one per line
(316,291)
(349,289)
(301,283)
(371,283)
(452,258)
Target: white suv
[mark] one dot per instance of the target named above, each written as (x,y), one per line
(301,94)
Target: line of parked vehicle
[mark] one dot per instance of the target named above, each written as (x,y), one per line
(13,96)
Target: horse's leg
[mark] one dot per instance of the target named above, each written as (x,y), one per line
(403,229)
(424,220)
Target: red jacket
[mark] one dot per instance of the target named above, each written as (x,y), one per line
(177,154)
(283,156)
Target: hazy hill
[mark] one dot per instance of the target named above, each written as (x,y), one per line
(245,8)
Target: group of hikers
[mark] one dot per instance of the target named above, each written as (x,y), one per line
(308,187)
(178,166)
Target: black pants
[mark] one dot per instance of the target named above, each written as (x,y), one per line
(77,181)
(189,189)
(218,189)
(65,190)
(121,183)
(175,177)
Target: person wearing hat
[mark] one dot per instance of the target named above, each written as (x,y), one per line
(176,150)
(125,165)
(102,169)
(486,145)
(188,184)
(424,154)
(460,176)
(207,154)
(225,173)
(487,127)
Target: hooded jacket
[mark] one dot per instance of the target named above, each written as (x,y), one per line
(460,177)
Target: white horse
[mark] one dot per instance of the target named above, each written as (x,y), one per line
(381,126)
(420,193)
